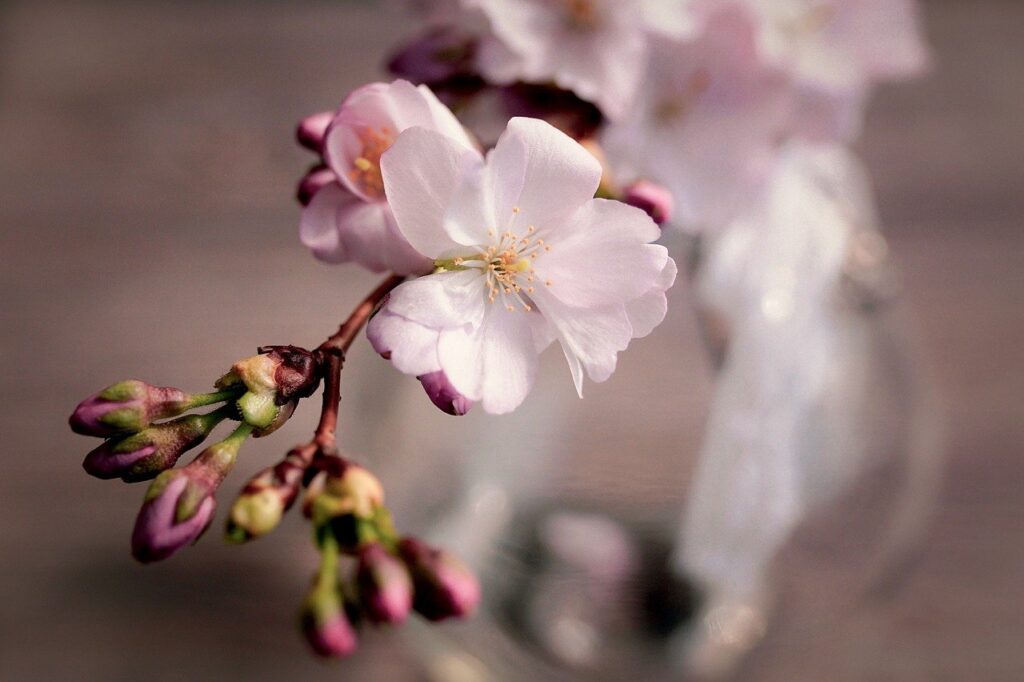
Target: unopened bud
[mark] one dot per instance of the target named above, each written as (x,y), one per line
(275,378)
(143,455)
(444,395)
(356,491)
(127,406)
(179,504)
(177,510)
(651,198)
(322,618)
(385,588)
(311,130)
(443,586)
(312,182)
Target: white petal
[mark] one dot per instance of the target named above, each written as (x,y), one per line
(411,347)
(592,335)
(422,170)
(318,226)
(648,311)
(542,171)
(441,301)
(494,363)
(444,120)
(602,255)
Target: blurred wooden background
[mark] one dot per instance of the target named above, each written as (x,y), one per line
(146,170)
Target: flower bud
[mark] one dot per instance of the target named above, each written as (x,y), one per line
(312,182)
(179,503)
(322,618)
(445,396)
(385,588)
(143,455)
(652,199)
(266,497)
(312,129)
(177,510)
(443,586)
(326,627)
(354,492)
(279,375)
(125,407)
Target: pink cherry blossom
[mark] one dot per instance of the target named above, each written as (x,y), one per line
(595,48)
(709,120)
(523,255)
(349,220)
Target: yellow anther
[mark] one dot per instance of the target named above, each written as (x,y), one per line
(363,164)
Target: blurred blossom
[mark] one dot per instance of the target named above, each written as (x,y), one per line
(444,586)
(836,50)
(312,129)
(524,255)
(708,121)
(596,48)
(385,588)
(349,220)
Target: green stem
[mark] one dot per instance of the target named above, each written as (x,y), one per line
(202,399)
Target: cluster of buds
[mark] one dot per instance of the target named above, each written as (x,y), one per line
(367,571)
(259,392)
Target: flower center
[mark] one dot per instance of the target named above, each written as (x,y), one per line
(507,265)
(580,14)
(366,167)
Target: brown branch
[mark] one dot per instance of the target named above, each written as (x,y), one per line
(332,354)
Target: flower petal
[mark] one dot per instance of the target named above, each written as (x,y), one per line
(648,311)
(603,257)
(494,363)
(422,170)
(411,347)
(318,226)
(441,301)
(541,171)
(592,336)
(371,238)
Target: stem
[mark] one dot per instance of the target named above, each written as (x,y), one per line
(201,399)
(333,353)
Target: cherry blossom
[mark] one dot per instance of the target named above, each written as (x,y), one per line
(709,120)
(523,256)
(349,220)
(837,50)
(596,48)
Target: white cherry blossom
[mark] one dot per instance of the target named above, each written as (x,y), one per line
(596,48)
(349,220)
(523,255)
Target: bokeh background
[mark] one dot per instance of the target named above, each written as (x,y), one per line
(148,230)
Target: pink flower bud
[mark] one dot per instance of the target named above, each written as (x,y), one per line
(143,455)
(444,587)
(125,407)
(330,636)
(312,129)
(178,508)
(441,392)
(652,199)
(312,182)
(385,588)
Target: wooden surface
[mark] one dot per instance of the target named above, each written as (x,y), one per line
(146,217)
